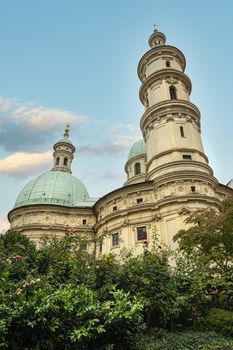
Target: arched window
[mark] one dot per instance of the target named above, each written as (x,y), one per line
(57,160)
(137,168)
(168,64)
(65,161)
(172,90)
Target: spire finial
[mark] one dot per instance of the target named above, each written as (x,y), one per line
(66,131)
(154,28)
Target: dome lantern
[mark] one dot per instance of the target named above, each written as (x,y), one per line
(63,153)
(157,38)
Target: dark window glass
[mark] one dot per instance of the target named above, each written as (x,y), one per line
(173,92)
(57,160)
(193,188)
(137,168)
(101,246)
(141,233)
(187,157)
(83,245)
(115,239)
(84,221)
(182,131)
(65,161)
(139,200)
(168,64)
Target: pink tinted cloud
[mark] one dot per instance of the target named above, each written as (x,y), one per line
(23,164)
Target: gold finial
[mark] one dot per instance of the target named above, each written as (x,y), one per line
(155,29)
(66,131)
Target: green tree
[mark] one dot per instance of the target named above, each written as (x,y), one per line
(207,247)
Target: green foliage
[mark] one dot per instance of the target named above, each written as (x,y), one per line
(17,255)
(210,237)
(207,250)
(53,303)
(162,340)
(67,317)
(151,276)
(219,320)
(60,297)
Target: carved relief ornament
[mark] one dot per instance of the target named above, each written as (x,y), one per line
(171,80)
(184,211)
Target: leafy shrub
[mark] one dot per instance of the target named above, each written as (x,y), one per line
(68,318)
(162,340)
(219,320)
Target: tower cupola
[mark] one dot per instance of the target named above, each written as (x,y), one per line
(157,38)
(63,153)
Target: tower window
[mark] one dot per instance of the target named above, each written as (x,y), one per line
(114,208)
(65,161)
(193,189)
(101,246)
(187,157)
(137,168)
(141,233)
(172,90)
(139,200)
(182,131)
(84,221)
(57,160)
(115,239)
(168,64)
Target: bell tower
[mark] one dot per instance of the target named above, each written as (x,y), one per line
(171,122)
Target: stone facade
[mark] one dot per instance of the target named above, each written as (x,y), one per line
(166,180)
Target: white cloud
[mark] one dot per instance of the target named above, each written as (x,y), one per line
(46,118)
(23,164)
(25,125)
(6,104)
(124,127)
(120,145)
(124,141)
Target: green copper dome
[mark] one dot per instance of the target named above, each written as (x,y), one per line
(57,188)
(138,148)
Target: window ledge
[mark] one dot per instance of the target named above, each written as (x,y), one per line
(142,241)
(115,246)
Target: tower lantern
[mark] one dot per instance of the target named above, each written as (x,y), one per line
(157,38)
(63,153)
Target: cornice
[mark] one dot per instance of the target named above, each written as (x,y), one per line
(177,149)
(224,189)
(184,175)
(164,108)
(123,191)
(154,207)
(52,227)
(135,179)
(158,51)
(164,74)
(49,208)
(183,163)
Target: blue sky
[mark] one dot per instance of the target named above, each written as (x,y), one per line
(76,61)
